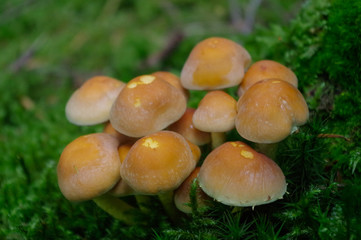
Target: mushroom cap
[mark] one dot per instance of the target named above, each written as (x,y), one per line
(215,63)
(88,167)
(269,111)
(91,103)
(185,127)
(158,163)
(122,188)
(266,69)
(182,193)
(146,105)
(236,175)
(123,139)
(216,112)
(173,79)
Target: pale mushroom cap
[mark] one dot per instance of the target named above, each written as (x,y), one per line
(269,111)
(91,103)
(216,112)
(88,167)
(266,69)
(173,79)
(236,175)
(146,105)
(185,127)
(181,194)
(158,163)
(215,63)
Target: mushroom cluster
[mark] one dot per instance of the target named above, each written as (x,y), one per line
(151,143)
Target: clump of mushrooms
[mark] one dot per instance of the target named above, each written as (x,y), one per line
(152,140)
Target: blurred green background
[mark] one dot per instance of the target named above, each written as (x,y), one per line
(48,48)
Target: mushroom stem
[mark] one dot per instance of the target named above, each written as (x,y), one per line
(143,202)
(117,208)
(268,149)
(218,138)
(166,198)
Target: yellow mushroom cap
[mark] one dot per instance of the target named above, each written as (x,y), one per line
(266,69)
(182,194)
(216,112)
(158,163)
(147,104)
(236,175)
(215,63)
(269,111)
(185,127)
(88,167)
(91,103)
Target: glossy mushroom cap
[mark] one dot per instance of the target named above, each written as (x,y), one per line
(185,127)
(269,111)
(215,63)
(146,105)
(88,167)
(158,163)
(266,69)
(216,112)
(173,80)
(91,103)
(236,175)
(182,194)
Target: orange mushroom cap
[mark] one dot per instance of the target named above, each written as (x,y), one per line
(266,69)
(236,175)
(146,105)
(158,163)
(269,111)
(91,103)
(215,63)
(88,167)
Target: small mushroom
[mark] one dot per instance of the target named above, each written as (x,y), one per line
(147,104)
(182,198)
(215,63)
(91,103)
(269,111)
(266,69)
(236,175)
(216,114)
(88,168)
(185,127)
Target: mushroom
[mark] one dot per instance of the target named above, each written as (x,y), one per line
(88,168)
(157,164)
(269,111)
(182,195)
(185,127)
(236,175)
(91,103)
(215,63)
(216,114)
(146,105)
(266,69)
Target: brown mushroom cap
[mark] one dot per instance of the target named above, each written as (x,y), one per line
(185,127)
(182,194)
(88,167)
(236,175)
(91,103)
(146,105)
(158,163)
(269,111)
(266,69)
(173,80)
(216,112)
(215,63)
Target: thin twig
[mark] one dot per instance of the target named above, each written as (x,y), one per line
(330,135)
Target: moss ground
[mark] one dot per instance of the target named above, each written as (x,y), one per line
(49,48)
